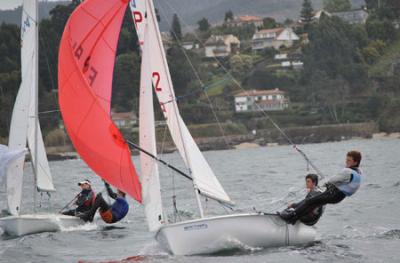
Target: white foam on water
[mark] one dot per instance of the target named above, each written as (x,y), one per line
(83,227)
(153,248)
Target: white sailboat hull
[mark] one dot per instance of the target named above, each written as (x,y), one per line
(214,234)
(37,223)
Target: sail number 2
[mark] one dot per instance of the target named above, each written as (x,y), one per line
(157,87)
(156,78)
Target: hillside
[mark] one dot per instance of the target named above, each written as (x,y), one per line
(192,11)
(14,16)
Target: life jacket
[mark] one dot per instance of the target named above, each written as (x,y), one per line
(107,216)
(351,187)
(90,201)
(119,209)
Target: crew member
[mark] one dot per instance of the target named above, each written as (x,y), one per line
(109,213)
(343,185)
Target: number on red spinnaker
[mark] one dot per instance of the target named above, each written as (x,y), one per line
(85,71)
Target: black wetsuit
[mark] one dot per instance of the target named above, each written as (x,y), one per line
(84,202)
(338,187)
(117,210)
(314,214)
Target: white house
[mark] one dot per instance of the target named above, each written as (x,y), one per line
(275,38)
(358,16)
(246,20)
(258,100)
(221,46)
(124,119)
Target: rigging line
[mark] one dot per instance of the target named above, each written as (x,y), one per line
(202,89)
(135,146)
(49,111)
(240,86)
(200,81)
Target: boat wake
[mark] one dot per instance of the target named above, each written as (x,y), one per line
(84,227)
(233,246)
(390,234)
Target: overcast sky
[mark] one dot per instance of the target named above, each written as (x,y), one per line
(11,4)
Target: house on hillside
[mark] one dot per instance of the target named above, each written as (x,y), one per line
(246,20)
(190,45)
(319,13)
(261,100)
(221,46)
(166,40)
(275,38)
(124,120)
(358,16)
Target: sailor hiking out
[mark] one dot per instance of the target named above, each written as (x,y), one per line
(343,185)
(109,213)
(84,200)
(315,214)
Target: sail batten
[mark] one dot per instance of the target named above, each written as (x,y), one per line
(86,64)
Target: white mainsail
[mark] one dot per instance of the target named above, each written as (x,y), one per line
(151,193)
(7,158)
(24,115)
(203,177)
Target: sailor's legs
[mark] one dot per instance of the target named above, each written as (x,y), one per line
(330,196)
(98,203)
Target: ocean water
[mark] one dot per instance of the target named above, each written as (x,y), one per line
(363,228)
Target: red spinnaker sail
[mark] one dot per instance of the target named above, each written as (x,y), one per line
(85,70)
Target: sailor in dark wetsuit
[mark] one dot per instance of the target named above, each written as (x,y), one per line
(109,213)
(84,200)
(315,214)
(343,185)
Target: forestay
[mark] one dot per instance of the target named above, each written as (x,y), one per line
(203,177)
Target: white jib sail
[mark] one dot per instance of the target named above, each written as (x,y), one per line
(203,177)
(19,120)
(44,180)
(149,169)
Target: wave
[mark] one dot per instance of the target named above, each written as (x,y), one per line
(84,227)
(390,234)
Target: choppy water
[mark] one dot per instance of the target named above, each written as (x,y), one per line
(363,228)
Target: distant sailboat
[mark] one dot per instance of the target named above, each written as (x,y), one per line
(206,234)
(25,128)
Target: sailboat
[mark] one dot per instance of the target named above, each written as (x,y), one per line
(86,61)
(25,128)
(207,234)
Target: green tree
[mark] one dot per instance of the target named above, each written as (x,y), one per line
(269,22)
(381,29)
(126,76)
(228,16)
(203,24)
(342,59)
(176,30)
(307,11)
(337,5)
(240,65)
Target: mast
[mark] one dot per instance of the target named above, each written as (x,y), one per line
(176,110)
(36,94)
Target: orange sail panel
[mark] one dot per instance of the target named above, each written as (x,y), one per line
(85,70)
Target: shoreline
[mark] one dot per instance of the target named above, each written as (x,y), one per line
(261,138)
